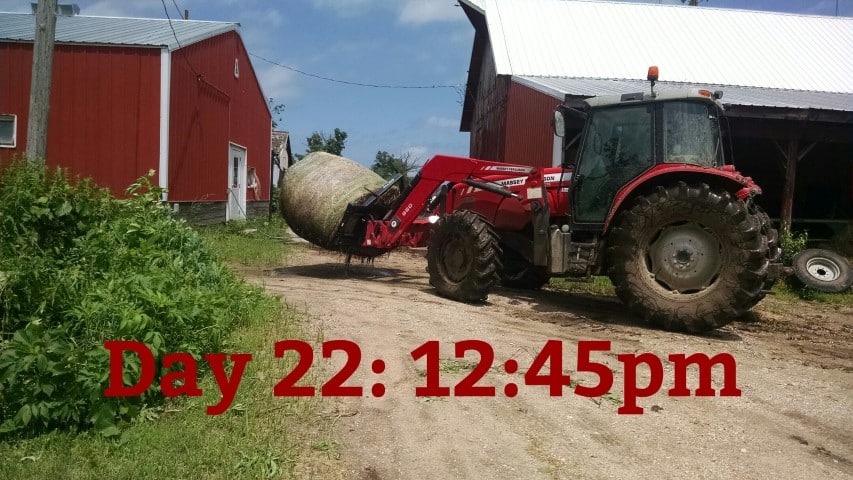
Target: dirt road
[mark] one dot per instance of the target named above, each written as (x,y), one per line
(794,367)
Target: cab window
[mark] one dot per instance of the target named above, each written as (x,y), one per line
(691,134)
(618,147)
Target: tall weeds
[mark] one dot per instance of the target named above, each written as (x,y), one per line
(78,267)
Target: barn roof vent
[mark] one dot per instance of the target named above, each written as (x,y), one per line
(63,10)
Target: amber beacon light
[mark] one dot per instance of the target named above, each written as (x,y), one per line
(653,77)
(653,74)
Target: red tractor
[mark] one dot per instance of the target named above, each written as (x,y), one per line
(647,200)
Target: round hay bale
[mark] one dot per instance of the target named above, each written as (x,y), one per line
(316,191)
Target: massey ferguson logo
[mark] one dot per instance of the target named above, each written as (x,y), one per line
(556,177)
(500,168)
(512,182)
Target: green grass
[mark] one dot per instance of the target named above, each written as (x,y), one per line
(783,290)
(596,286)
(260,436)
(787,290)
(252,243)
(456,367)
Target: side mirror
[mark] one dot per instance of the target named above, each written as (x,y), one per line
(559,123)
(563,114)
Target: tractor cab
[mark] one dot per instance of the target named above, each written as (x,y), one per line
(628,137)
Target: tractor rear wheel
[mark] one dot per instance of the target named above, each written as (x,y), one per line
(774,253)
(463,257)
(687,257)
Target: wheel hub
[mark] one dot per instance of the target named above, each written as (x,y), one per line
(684,258)
(823,269)
(456,259)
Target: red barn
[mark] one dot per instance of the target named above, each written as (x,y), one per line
(130,95)
(787,83)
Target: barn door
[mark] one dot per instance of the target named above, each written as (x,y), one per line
(235,208)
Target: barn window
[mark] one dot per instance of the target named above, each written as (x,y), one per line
(8,127)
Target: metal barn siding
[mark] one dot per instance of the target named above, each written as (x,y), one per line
(104,112)
(15,92)
(488,125)
(211,107)
(529,133)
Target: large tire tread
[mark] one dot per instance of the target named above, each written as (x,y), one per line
(773,255)
(480,243)
(744,260)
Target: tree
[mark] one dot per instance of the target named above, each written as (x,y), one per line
(277,110)
(388,166)
(320,142)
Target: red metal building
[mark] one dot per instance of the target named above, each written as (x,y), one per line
(789,96)
(131,95)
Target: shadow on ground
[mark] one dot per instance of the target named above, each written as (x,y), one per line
(601,312)
(340,271)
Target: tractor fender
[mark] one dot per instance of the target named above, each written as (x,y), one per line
(725,178)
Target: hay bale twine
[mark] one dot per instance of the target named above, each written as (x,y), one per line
(316,191)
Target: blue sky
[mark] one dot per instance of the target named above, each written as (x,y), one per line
(387,42)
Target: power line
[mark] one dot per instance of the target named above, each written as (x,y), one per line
(346,82)
(302,72)
(180,13)
(199,76)
(175,34)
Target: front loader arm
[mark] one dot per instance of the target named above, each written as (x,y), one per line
(403,225)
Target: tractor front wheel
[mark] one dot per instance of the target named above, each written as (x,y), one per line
(463,257)
(688,258)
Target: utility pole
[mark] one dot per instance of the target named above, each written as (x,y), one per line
(40,85)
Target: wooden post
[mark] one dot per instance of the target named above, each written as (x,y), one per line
(40,85)
(792,156)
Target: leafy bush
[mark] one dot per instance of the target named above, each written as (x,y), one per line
(792,244)
(79,267)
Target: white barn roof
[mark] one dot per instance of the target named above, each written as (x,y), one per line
(594,41)
(732,95)
(115,31)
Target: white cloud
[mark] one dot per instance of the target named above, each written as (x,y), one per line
(276,82)
(416,153)
(419,12)
(271,17)
(127,9)
(824,7)
(14,6)
(411,12)
(349,8)
(332,52)
(442,122)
